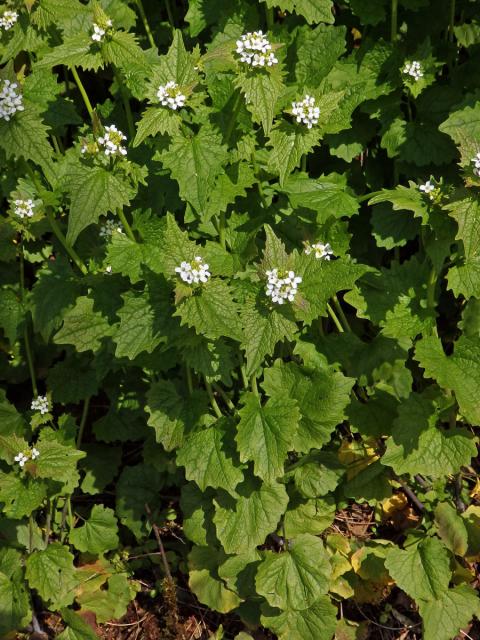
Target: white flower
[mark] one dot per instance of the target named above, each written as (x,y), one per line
(413,69)
(322,251)
(108,270)
(10,100)
(428,189)
(90,148)
(99,31)
(21,458)
(255,50)
(476,162)
(170,96)
(306,112)
(24,208)
(107,229)
(35,453)
(40,403)
(112,140)
(282,287)
(193,272)
(8,19)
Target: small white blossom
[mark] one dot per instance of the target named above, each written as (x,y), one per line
(170,96)
(107,229)
(193,272)
(306,112)
(99,31)
(90,148)
(255,50)
(322,251)
(428,189)
(24,208)
(112,140)
(282,287)
(35,453)
(10,100)
(413,69)
(108,270)
(476,162)
(22,458)
(40,403)
(8,19)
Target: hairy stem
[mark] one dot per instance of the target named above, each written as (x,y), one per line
(225,398)
(146,25)
(341,313)
(126,225)
(83,93)
(336,321)
(213,402)
(253,384)
(394,20)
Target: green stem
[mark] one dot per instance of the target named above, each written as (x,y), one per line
(221,228)
(225,398)
(367,196)
(26,334)
(71,523)
(213,402)
(146,26)
(189,380)
(170,13)
(259,183)
(233,118)
(63,241)
(126,225)
(30,533)
(269,17)
(48,522)
(56,145)
(336,321)
(409,109)
(341,313)
(431,285)
(303,164)
(126,105)
(452,21)
(83,421)
(320,327)
(393,21)
(253,384)
(244,377)
(83,93)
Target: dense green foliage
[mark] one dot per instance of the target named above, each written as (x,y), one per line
(242,418)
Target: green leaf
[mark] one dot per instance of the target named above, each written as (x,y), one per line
(318,622)
(211,311)
(261,89)
(459,372)
(77,628)
(317,52)
(444,617)
(418,446)
(296,578)
(11,314)
(14,603)
(312,10)
(464,277)
(245,521)
(11,422)
(289,143)
(208,458)
(121,49)
(137,486)
(98,534)
(75,51)
(109,603)
(52,574)
(83,327)
(405,199)
(57,461)
(93,192)
(370,485)
(421,570)
(138,329)
(308,516)
(317,474)
(20,494)
(451,529)
(195,162)
(204,582)
(178,64)
(156,120)
(323,195)
(265,434)
(100,466)
(463,127)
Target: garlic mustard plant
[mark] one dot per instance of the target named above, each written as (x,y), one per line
(100,30)
(255,50)
(170,96)
(41,404)
(282,286)
(413,69)
(476,164)
(24,456)
(306,112)
(108,228)
(194,272)
(8,20)
(11,100)
(111,141)
(319,250)
(428,188)
(24,208)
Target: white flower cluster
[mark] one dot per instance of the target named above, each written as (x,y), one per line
(8,19)
(306,112)
(111,141)
(10,100)
(99,31)
(40,403)
(255,50)
(170,96)
(476,162)
(428,189)
(107,229)
(322,251)
(193,272)
(90,148)
(25,456)
(413,69)
(24,208)
(281,287)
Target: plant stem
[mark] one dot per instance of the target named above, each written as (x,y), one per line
(83,93)
(83,421)
(169,13)
(26,335)
(269,17)
(342,315)
(393,21)
(452,21)
(233,118)
(244,377)
(126,105)
(253,384)
(30,533)
(221,228)
(259,183)
(367,196)
(66,245)
(431,286)
(213,402)
(48,522)
(71,523)
(143,16)
(336,321)
(303,163)
(225,398)
(126,225)
(189,380)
